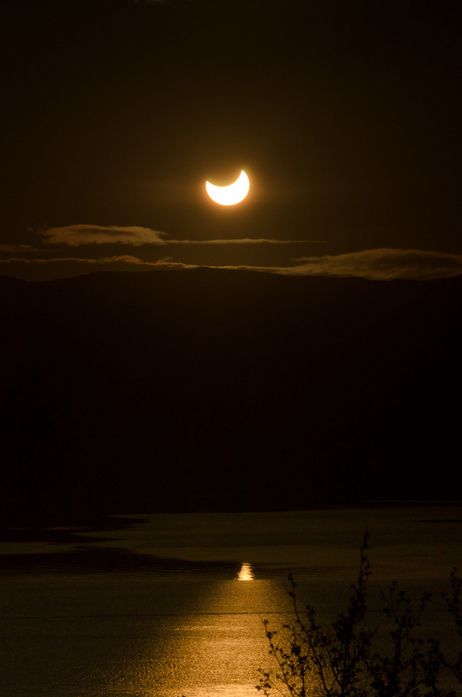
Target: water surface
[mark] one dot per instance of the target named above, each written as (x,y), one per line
(188,625)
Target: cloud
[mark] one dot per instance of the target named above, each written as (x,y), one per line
(13,248)
(386,264)
(82,235)
(90,261)
(240,240)
(30,268)
(372,264)
(380,265)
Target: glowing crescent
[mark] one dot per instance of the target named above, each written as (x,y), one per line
(231,194)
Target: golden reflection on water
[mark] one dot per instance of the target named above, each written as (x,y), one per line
(206,638)
(246,572)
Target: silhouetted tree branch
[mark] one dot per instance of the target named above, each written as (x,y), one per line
(350,659)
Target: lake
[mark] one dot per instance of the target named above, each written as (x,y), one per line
(183,623)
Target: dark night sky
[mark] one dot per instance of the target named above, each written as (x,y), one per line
(346,115)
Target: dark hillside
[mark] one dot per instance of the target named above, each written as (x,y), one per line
(215,389)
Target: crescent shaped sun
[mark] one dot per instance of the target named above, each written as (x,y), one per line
(231,194)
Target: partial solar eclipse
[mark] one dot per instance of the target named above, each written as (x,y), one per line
(231,194)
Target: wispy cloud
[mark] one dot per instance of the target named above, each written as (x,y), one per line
(91,261)
(240,240)
(380,264)
(13,248)
(82,235)
(28,268)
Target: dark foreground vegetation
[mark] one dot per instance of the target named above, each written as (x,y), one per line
(349,658)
